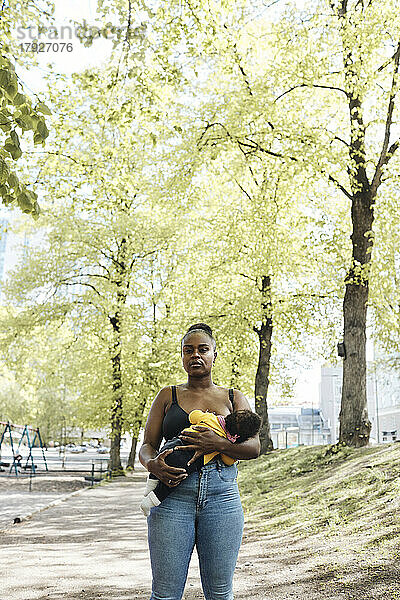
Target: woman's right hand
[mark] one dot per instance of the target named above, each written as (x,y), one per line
(171,476)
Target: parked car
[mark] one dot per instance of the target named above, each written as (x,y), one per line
(78,449)
(102,450)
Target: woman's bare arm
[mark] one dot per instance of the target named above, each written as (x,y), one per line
(148,453)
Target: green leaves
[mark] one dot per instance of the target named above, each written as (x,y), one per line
(27,200)
(4,171)
(17,111)
(43,108)
(4,78)
(41,132)
(13,180)
(20,99)
(12,145)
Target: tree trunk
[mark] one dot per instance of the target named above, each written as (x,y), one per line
(116,410)
(137,423)
(132,453)
(122,281)
(262,376)
(355,426)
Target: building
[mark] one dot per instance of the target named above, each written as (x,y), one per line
(297,425)
(13,246)
(330,391)
(384,412)
(383,399)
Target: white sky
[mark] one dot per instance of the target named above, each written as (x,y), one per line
(67,62)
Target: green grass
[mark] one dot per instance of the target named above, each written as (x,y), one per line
(312,489)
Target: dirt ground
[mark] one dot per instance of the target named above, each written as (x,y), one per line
(92,546)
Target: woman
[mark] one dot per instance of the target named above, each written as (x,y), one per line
(205,509)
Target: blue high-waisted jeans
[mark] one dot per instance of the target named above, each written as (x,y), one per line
(204,510)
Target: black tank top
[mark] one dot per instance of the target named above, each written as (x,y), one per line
(176,418)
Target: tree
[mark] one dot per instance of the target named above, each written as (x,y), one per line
(298,102)
(264,273)
(35,378)
(100,233)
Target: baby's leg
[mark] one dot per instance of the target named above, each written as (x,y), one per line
(151,484)
(179,459)
(155,490)
(152,479)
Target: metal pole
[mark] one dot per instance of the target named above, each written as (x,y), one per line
(64,437)
(12,451)
(312,423)
(30,446)
(41,446)
(376,403)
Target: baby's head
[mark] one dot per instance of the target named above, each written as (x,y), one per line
(243,423)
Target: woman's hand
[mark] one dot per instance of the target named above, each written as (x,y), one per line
(202,441)
(171,476)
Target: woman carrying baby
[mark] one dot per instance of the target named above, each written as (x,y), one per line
(203,509)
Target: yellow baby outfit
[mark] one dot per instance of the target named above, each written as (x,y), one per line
(206,419)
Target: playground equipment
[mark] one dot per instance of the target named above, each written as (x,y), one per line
(17,459)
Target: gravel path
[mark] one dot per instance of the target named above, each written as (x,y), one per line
(92,546)
(16,501)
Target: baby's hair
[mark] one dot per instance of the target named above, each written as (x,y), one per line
(244,423)
(204,329)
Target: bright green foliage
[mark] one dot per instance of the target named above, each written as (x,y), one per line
(215,149)
(100,264)
(18,114)
(385,274)
(37,386)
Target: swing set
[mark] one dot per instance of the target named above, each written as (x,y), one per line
(32,437)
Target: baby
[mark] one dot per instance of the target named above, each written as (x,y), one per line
(238,426)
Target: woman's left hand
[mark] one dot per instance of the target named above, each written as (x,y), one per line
(202,441)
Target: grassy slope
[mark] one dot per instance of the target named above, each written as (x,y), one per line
(351,499)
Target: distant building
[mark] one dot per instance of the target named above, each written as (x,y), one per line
(13,247)
(297,425)
(330,391)
(385,410)
(383,400)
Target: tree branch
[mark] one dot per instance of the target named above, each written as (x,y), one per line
(339,139)
(128,27)
(245,192)
(312,85)
(66,282)
(384,157)
(255,146)
(61,154)
(90,275)
(341,187)
(253,279)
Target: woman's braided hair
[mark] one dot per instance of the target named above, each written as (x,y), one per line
(203,328)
